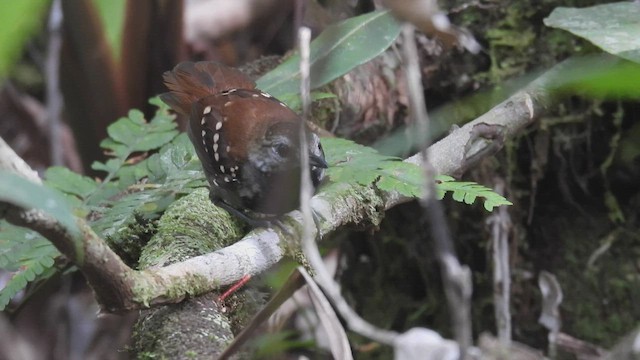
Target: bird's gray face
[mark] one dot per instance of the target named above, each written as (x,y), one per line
(276,154)
(279,153)
(272,174)
(279,150)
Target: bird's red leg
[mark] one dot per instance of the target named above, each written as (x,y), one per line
(245,279)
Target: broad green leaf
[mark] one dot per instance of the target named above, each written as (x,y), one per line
(18,21)
(613,27)
(336,51)
(18,191)
(295,103)
(601,77)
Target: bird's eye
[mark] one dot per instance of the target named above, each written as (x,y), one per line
(283,150)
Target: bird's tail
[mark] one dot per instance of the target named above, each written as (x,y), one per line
(188,82)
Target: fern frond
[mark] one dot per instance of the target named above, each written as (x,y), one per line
(26,254)
(133,134)
(467,192)
(350,162)
(353,163)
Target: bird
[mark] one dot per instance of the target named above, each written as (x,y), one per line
(247,140)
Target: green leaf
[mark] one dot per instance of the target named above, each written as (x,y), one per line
(353,163)
(111,166)
(405,178)
(26,254)
(295,103)
(350,162)
(115,218)
(47,261)
(612,27)
(468,192)
(174,171)
(69,182)
(130,135)
(335,52)
(600,77)
(21,192)
(18,21)
(134,134)
(114,203)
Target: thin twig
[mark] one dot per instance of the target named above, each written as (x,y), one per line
(455,277)
(54,97)
(322,276)
(306,188)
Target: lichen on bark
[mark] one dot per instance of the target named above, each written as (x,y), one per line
(191,226)
(197,327)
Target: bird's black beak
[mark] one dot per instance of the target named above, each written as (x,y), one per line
(317,161)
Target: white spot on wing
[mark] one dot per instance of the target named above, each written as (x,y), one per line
(218,125)
(216,156)
(222,168)
(206,110)
(266,95)
(216,137)
(202,121)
